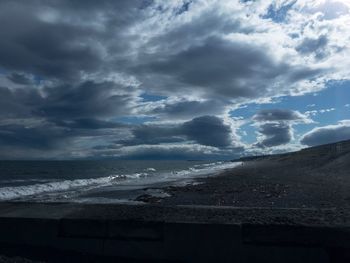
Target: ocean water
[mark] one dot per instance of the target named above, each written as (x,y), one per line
(103,181)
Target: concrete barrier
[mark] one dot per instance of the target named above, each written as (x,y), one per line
(97,233)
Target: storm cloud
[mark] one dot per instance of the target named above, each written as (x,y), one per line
(77,77)
(275,134)
(184,109)
(73,34)
(223,68)
(204,130)
(327,134)
(208,130)
(279,115)
(275,126)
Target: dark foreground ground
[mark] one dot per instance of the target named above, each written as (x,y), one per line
(63,232)
(283,208)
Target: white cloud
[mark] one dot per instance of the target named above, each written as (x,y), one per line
(206,58)
(316,112)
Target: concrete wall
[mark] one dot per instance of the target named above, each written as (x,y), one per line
(60,238)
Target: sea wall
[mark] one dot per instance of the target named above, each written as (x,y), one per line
(68,232)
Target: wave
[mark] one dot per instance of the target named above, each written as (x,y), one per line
(150,169)
(14,192)
(141,179)
(205,169)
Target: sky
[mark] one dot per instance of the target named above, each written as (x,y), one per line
(180,79)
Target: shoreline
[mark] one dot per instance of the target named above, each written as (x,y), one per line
(108,187)
(297,180)
(281,208)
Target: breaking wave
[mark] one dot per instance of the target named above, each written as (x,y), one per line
(8,193)
(141,178)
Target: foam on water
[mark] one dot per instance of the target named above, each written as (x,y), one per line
(150,169)
(140,179)
(7,193)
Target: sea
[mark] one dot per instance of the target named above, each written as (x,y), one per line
(99,181)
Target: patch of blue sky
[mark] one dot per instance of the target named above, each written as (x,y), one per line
(184,8)
(336,95)
(278,14)
(328,105)
(247,111)
(247,133)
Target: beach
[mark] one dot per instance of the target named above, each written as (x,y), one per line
(311,178)
(290,207)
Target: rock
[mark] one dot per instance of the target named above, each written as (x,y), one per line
(148,198)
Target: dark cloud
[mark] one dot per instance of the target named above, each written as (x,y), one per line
(205,130)
(275,126)
(58,44)
(174,153)
(314,45)
(194,32)
(77,33)
(327,134)
(188,109)
(18,103)
(58,54)
(48,119)
(274,134)
(278,115)
(66,102)
(40,139)
(220,68)
(208,130)
(89,124)
(20,79)
(154,134)
(88,99)
(216,66)
(44,137)
(69,69)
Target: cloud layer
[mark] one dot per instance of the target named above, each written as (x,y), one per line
(327,134)
(75,73)
(275,126)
